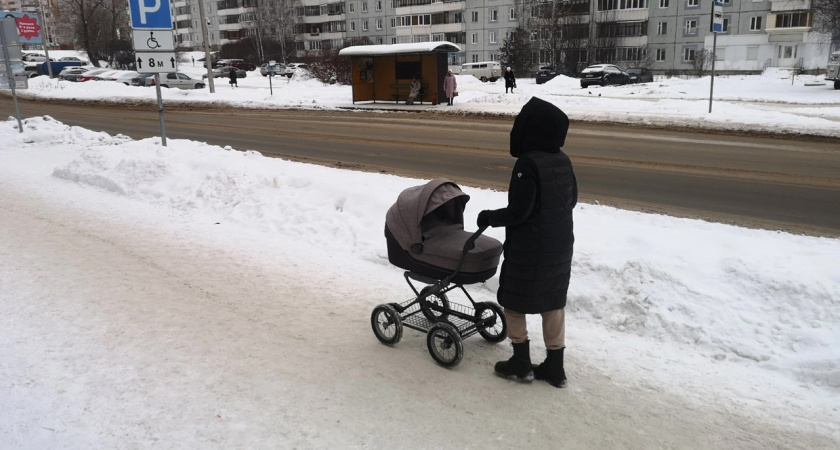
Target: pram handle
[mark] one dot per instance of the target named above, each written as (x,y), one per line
(470,244)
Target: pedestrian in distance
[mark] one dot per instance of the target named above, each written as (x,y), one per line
(233,77)
(450,87)
(539,240)
(510,80)
(193,60)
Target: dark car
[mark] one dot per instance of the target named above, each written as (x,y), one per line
(224,72)
(603,75)
(238,63)
(549,72)
(640,75)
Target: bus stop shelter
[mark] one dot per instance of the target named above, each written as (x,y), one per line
(383,73)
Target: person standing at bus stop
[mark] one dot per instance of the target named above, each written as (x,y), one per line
(450,87)
(539,240)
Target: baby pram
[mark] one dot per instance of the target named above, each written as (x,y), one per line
(425,235)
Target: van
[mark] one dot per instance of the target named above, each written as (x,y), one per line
(484,71)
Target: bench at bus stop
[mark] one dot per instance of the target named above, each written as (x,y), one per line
(400,91)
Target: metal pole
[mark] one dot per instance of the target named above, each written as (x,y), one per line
(3,23)
(712,88)
(46,38)
(160,111)
(206,39)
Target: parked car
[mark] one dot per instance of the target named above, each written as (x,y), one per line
(224,72)
(90,74)
(71,58)
(107,75)
(603,74)
(71,73)
(124,77)
(34,57)
(549,72)
(640,75)
(292,67)
(168,80)
(279,69)
(238,63)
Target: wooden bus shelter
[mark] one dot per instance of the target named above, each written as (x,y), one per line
(383,73)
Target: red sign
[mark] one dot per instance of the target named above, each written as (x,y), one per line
(28,27)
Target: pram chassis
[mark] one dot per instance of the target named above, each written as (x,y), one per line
(445,323)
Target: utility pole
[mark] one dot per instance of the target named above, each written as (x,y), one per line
(204,37)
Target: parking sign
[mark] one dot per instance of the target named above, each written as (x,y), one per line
(150,14)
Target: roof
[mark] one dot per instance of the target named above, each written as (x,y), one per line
(392,49)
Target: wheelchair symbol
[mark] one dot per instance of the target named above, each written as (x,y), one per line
(152,42)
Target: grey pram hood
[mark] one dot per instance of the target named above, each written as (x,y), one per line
(404,218)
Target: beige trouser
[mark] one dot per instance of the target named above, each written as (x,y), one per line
(553,327)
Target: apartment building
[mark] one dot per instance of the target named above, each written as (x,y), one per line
(664,35)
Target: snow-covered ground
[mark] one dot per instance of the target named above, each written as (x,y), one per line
(192,296)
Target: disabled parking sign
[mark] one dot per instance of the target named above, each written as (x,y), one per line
(150,14)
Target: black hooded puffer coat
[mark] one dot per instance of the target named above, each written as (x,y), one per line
(539,235)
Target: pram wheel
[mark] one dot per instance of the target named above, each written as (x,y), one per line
(432,305)
(386,324)
(445,344)
(496,328)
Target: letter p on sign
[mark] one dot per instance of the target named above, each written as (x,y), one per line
(150,14)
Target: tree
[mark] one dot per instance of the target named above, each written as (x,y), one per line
(96,26)
(515,51)
(827,17)
(701,63)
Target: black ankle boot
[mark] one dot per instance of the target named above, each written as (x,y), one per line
(518,367)
(551,370)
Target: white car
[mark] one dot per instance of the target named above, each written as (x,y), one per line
(168,80)
(292,67)
(124,77)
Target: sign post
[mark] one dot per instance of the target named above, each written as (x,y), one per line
(154,44)
(717,27)
(7,24)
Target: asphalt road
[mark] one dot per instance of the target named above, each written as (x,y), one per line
(762,181)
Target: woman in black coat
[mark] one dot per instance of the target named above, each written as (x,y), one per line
(233,77)
(539,239)
(510,80)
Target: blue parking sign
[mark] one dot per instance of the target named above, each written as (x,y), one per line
(150,14)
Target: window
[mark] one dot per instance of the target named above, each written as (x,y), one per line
(474,39)
(755,23)
(378,24)
(792,20)
(692,3)
(725,24)
(352,26)
(364,25)
(690,27)
(474,57)
(364,6)
(664,3)
(610,5)
(494,15)
(512,14)
(662,29)
(660,54)
(493,37)
(352,7)
(475,16)
(380,41)
(688,54)
(379,5)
